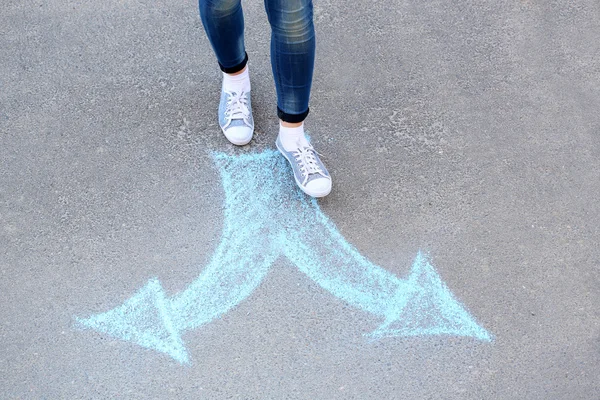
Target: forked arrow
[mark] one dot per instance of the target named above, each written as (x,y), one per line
(266,217)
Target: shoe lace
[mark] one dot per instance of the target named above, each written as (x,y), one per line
(307,161)
(237,107)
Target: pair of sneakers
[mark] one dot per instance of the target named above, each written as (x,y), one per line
(235,119)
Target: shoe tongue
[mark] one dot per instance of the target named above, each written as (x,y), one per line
(303,143)
(240,89)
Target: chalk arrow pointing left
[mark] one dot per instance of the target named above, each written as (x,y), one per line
(265,217)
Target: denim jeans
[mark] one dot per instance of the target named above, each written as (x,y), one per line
(292,47)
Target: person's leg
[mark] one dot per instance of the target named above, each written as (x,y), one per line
(223,21)
(292,61)
(292,55)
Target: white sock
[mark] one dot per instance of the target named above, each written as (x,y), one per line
(237,83)
(292,138)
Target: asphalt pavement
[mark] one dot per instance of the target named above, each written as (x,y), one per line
(468,131)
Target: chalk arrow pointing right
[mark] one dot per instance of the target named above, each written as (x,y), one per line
(265,217)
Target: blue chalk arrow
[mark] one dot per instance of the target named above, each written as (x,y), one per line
(266,217)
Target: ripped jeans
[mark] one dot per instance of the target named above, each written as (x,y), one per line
(292,47)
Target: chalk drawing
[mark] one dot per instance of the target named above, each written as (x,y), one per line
(265,217)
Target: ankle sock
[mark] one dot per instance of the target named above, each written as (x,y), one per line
(237,83)
(292,138)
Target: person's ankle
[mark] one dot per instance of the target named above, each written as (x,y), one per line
(290,124)
(238,81)
(292,136)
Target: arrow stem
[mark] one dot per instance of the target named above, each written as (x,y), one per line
(320,251)
(234,271)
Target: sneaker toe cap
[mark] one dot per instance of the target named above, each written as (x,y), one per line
(239,135)
(318,187)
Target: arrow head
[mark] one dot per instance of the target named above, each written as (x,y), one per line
(143,319)
(427,307)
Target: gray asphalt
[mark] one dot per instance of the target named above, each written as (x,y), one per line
(466,129)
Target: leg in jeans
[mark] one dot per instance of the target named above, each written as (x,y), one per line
(292,60)
(292,55)
(223,22)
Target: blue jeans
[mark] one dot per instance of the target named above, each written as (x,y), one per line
(292,47)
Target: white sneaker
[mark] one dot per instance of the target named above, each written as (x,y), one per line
(309,172)
(235,117)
